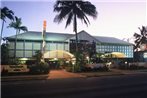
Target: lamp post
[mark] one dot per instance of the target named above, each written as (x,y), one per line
(87,59)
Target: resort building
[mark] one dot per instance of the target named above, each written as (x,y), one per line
(29,42)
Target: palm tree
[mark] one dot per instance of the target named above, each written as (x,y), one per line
(71,10)
(5,13)
(140,38)
(17,25)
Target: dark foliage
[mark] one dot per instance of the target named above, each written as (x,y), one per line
(140,38)
(41,68)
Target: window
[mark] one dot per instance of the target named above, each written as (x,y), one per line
(28,53)
(53,46)
(47,47)
(60,46)
(37,46)
(19,45)
(19,54)
(66,47)
(28,45)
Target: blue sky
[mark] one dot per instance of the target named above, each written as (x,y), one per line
(116,18)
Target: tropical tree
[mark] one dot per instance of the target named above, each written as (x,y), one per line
(5,53)
(5,13)
(17,25)
(140,38)
(71,10)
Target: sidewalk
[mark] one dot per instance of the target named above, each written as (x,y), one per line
(62,74)
(54,74)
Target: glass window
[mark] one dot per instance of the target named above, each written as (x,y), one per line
(34,52)
(47,47)
(66,47)
(19,54)
(28,45)
(60,47)
(28,53)
(37,46)
(19,45)
(53,46)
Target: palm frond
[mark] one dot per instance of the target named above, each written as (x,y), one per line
(17,24)
(70,17)
(6,13)
(79,8)
(89,9)
(23,28)
(63,13)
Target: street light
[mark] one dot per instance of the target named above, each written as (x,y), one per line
(87,59)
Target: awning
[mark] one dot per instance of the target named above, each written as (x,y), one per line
(58,54)
(114,55)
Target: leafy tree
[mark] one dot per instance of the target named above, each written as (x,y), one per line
(38,56)
(5,53)
(140,38)
(71,10)
(5,13)
(17,25)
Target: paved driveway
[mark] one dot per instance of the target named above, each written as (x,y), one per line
(54,74)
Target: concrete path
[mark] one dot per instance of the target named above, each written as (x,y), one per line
(57,74)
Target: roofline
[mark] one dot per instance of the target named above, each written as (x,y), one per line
(99,42)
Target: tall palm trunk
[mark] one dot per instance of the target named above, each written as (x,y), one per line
(15,44)
(75,30)
(2,31)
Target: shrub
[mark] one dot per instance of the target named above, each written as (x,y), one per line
(94,69)
(30,62)
(69,68)
(39,68)
(14,62)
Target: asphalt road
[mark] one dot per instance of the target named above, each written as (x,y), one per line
(124,86)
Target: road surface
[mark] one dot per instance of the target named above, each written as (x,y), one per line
(124,86)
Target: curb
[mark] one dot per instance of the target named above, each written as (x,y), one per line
(23,78)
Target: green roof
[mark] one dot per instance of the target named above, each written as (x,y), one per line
(51,36)
(111,40)
(37,36)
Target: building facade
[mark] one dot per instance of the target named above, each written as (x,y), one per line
(29,42)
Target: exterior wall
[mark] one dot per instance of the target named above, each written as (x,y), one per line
(26,49)
(107,48)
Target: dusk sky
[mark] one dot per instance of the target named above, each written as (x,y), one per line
(116,18)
